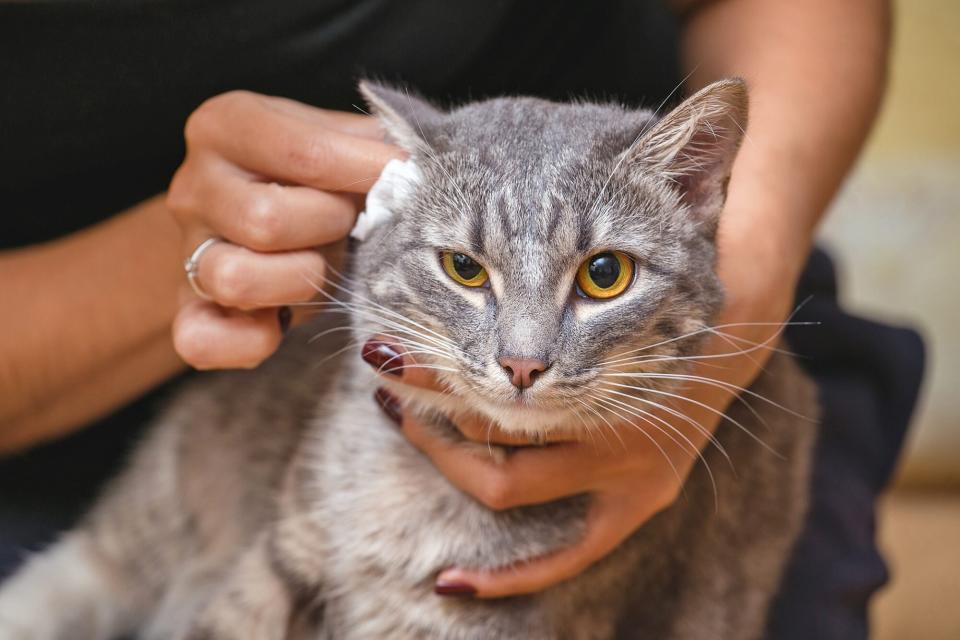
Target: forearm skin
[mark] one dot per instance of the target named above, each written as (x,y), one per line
(86,323)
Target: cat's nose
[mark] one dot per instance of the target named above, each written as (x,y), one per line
(522,371)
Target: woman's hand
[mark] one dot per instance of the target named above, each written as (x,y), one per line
(631,476)
(275,179)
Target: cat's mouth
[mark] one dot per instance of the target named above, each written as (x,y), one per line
(525,414)
(523,401)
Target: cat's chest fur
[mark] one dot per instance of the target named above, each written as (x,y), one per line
(392,522)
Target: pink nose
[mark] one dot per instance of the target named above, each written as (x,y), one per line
(522,371)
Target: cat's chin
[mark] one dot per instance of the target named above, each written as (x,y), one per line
(529,420)
(522,418)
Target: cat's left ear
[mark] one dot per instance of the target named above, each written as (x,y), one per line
(695,144)
(407,117)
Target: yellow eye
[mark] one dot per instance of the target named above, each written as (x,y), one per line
(605,275)
(463,269)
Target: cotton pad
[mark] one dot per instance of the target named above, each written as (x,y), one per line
(395,184)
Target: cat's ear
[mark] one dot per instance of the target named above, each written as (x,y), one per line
(695,144)
(406,117)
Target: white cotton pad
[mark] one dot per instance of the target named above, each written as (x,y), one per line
(395,184)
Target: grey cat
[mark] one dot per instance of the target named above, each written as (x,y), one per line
(542,249)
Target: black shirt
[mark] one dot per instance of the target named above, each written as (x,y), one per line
(95,94)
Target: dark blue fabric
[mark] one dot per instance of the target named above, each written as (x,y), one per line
(868,376)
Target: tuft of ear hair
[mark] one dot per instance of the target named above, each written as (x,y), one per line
(406,116)
(694,146)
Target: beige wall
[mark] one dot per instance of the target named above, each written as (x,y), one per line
(895,229)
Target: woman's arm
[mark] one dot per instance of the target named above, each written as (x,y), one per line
(86,326)
(816,72)
(94,310)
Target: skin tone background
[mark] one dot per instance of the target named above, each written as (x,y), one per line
(100,335)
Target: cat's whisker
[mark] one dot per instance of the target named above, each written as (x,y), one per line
(711,437)
(720,414)
(417,366)
(345,186)
(396,320)
(647,416)
(638,411)
(490,426)
(373,315)
(611,428)
(370,303)
(384,368)
(353,344)
(728,325)
(403,337)
(747,353)
(755,346)
(588,428)
(613,402)
(653,359)
(410,346)
(731,388)
(765,344)
(732,339)
(736,395)
(626,420)
(341,275)
(609,425)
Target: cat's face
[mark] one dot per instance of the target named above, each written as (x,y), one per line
(547,254)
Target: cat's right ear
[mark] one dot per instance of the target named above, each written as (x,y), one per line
(694,146)
(407,118)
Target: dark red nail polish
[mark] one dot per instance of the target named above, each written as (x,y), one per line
(382,356)
(460,589)
(389,403)
(284,316)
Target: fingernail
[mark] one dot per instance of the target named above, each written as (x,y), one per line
(389,403)
(284,316)
(460,589)
(382,356)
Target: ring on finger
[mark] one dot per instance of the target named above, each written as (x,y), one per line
(192,267)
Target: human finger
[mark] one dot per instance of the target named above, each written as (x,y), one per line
(207,192)
(483,430)
(527,476)
(357,124)
(269,143)
(607,526)
(208,336)
(234,276)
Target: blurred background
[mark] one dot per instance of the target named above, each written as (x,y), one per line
(895,233)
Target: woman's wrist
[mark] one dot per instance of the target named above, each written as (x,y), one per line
(760,260)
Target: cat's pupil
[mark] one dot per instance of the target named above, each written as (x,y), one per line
(604,270)
(465,266)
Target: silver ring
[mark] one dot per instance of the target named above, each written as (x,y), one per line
(192,266)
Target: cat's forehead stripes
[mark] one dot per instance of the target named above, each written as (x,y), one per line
(532,189)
